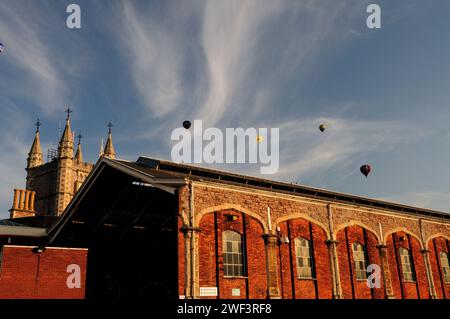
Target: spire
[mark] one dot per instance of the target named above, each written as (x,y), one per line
(100,154)
(35,154)
(79,153)
(65,148)
(109,147)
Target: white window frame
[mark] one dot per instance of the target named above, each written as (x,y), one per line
(360,261)
(406,264)
(303,258)
(445,265)
(233,260)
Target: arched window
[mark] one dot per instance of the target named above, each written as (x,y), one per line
(359,257)
(406,261)
(445,266)
(303,256)
(233,257)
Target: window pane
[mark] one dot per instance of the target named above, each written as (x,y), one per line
(232,254)
(359,258)
(303,254)
(407,269)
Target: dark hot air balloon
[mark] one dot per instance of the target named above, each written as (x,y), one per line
(187,125)
(2,47)
(322,127)
(365,169)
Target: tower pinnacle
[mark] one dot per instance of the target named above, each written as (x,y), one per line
(79,153)
(35,154)
(65,148)
(109,147)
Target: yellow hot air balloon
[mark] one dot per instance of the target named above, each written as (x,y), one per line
(322,127)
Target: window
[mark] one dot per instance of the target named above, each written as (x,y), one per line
(408,271)
(359,257)
(445,266)
(233,254)
(303,256)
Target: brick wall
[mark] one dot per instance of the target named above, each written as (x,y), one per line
(299,216)
(292,287)
(211,264)
(25,274)
(436,246)
(353,288)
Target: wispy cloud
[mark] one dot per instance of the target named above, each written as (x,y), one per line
(307,152)
(248,61)
(40,70)
(431,199)
(212,60)
(13,154)
(155,52)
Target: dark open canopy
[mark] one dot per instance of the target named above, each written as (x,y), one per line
(128,220)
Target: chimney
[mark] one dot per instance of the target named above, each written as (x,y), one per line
(23,203)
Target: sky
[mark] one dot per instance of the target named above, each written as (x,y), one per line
(147,66)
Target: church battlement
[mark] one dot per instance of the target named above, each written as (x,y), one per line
(50,186)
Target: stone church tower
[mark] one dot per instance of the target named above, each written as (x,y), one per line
(50,186)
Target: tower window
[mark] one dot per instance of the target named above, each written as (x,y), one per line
(233,255)
(304,260)
(406,261)
(445,264)
(359,257)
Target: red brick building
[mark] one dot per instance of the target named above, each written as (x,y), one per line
(213,234)
(31,270)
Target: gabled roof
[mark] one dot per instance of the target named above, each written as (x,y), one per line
(162,181)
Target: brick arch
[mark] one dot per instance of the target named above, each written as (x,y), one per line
(406,231)
(236,207)
(357,223)
(427,241)
(279,220)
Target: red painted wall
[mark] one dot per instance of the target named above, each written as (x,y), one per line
(25,274)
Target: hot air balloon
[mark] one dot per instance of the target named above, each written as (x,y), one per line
(1,48)
(365,169)
(322,127)
(187,125)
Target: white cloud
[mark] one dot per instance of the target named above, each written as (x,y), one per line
(13,155)
(38,75)
(432,199)
(307,152)
(239,55)
(156,57)
(249,60)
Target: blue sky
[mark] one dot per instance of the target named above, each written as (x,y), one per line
(149,65)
